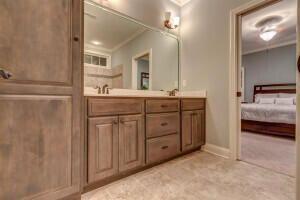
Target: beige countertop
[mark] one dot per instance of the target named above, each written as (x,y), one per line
(90,92)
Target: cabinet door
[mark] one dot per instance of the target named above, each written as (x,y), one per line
(131,142)
(187,130)
(40,117)
(102,148)
(198,127)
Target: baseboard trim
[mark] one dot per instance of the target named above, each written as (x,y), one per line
(217,150)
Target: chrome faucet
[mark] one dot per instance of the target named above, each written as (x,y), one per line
(104,89)
(99,89)
(173,92)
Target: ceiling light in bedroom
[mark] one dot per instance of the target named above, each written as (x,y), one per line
(268,35)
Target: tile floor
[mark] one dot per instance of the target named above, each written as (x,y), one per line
(200,176)
(276,153)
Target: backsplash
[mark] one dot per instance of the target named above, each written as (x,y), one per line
(96,76)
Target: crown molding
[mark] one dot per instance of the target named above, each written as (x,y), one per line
(180,2)
(270,47)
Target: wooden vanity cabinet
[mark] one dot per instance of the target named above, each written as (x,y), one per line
(125,135)
(162,129)
(192,124)
(131,142)
(116,143)
(103,150)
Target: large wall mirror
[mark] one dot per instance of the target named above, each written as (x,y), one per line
(125,54)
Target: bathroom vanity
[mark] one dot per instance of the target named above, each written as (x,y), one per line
(131,120)
(124,135)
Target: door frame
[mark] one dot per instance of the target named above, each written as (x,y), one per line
(134,83)
(234,81)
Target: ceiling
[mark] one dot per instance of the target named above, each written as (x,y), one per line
(108,30)
(251,42)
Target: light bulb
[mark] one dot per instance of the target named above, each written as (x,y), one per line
(268,35)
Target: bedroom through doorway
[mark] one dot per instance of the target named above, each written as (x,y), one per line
(268,87)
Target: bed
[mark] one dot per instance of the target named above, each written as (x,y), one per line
(277,118)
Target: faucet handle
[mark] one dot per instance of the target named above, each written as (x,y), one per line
(108,90)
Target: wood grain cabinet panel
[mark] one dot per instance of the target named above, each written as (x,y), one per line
(199,128)
(193,129)
(162,124)
(162,148)
(98,107)
(35,45)
(187,130)
(35,146)
(102,148)
(192,104)
(40,105)
(131,142)
(162,105)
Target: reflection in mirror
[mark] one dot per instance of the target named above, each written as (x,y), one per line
(122,53)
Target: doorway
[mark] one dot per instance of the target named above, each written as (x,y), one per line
(142,71)
(266,31)
(268,102)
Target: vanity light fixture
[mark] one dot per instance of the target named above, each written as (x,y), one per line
(170,21)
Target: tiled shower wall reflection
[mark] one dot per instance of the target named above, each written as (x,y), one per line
(96,76)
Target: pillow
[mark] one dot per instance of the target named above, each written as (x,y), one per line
(286,95)
(263,96)
(284,101)
(266,101)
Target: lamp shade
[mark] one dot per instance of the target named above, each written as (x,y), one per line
(268,35)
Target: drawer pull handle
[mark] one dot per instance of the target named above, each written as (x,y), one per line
(164,147)
(164,106)
(164,124)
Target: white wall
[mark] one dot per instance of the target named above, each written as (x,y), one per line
(269,67)
(205,59)
(164,59)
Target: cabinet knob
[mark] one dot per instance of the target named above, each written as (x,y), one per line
(115,122)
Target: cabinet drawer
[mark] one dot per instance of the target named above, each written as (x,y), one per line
(158,106)
(162,148)
(98,107)
(162,124)
(193,104)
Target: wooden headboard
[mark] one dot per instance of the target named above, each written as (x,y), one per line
(289,88)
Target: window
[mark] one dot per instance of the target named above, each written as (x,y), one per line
(97,60)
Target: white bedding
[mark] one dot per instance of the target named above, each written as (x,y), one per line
(269,113)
